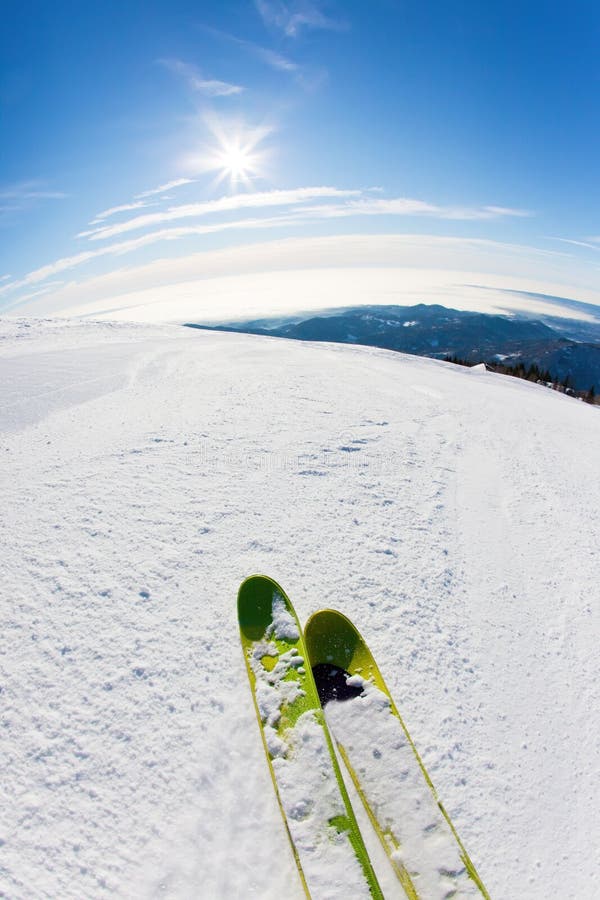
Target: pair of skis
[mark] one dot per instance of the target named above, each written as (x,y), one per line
(294,677)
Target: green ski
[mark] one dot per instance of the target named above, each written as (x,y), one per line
(399,797)
(326,842)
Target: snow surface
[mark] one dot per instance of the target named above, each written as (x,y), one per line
(380,754)
(147,470)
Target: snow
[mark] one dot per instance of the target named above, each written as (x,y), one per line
(311,799)
(147,470)
(380,754)
(272,692)
(302,765)
(283,627)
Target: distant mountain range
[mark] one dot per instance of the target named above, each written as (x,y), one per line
(566,348)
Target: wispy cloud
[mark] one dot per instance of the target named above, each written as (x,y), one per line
(580,243)
(272,58)
(124,207)
(44,272)
(292,17)
(120,248)
(139,202)
(408,206)
(210,87)
(162,188)
(47,288)
(308,77)
(24,195)
(223,204)
(29,190)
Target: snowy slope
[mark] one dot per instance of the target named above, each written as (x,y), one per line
(452,515)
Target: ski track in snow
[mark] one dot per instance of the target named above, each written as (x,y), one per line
(147,470)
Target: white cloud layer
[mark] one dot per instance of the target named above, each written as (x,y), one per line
(340,203)
(309,273)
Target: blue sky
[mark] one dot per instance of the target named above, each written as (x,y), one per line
(156,150)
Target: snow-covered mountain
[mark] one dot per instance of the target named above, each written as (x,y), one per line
(452,514)
(568,348)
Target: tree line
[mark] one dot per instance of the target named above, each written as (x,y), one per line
(533,372)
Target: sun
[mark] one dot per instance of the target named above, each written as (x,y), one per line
(237,162)
(236,155)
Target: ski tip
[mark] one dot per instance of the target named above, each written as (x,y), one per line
(255,604)
(331,639)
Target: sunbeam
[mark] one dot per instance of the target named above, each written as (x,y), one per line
(236,154)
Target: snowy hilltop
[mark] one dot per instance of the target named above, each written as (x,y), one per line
(452,514)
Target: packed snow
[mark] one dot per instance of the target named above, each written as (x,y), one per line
(312,800)
(379,752)
(147,470)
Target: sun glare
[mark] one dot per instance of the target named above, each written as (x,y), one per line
(237,162)
(237,154)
